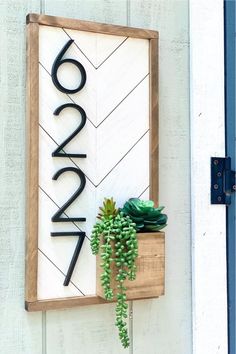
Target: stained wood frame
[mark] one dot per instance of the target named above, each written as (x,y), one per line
(33,21)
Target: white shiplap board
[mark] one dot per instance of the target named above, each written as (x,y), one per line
(115,139)
(208,140)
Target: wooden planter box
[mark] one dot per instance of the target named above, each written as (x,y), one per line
(150,263)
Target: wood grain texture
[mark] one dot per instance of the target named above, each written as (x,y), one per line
(150,277)
(164,325)
(90,26)
(20,332)
(32,162)
(63,303)
(154,122)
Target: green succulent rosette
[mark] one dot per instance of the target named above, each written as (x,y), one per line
(144,214)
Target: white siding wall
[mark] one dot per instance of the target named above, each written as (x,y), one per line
(160,326)
(207,140)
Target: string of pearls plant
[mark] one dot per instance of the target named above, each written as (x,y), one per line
(114,235)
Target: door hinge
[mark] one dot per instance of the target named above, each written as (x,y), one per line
(223,180)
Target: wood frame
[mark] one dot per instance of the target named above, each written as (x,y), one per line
(33,21)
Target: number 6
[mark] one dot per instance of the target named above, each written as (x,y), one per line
(58,62)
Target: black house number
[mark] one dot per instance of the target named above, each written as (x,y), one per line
(57,217)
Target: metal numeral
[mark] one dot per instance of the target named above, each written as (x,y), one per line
(76,252)
(57,216)
(58,62)
(57,152)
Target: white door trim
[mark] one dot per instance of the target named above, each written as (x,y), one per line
(209,271)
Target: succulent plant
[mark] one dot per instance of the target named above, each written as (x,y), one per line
(145,215)
(108,209)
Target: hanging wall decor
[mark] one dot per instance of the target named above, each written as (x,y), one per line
(92,132)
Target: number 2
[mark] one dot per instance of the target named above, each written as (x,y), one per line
(57,216)
(57,152)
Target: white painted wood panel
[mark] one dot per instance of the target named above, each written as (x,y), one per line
(97,47)
(208,140)
(59,250)
(86,98)
(61,189)
(61,126)
(123,129)
(135,167)
(117,147)
(48,274)
(117,77)
(110,83)
(145,195)
(108,143)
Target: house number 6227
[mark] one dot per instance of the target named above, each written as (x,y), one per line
(57,217)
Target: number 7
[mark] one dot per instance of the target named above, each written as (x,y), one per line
(76,253)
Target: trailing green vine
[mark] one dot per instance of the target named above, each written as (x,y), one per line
(115,237)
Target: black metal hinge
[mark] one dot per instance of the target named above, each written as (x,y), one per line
(223,180)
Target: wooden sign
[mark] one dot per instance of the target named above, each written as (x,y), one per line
(92,120)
